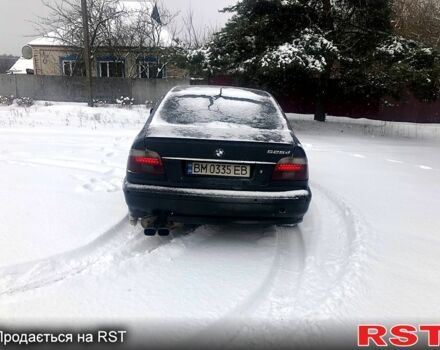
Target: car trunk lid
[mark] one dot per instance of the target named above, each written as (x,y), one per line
(178,155)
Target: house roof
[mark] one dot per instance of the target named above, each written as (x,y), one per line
(47,40)
(21,66)
(131,7)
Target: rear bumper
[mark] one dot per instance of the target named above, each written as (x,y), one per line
(212,206)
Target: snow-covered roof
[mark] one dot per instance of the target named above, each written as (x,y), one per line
(21,66)
(47,40)
(132,9)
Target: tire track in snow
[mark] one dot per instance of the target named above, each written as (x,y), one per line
(306,281)
(88,165)
(274,307)
(285,261)
(308,271)
(331,277)
(425,167)
(289,278)
(293,287)
(354,246)
(395,161)
(116,243)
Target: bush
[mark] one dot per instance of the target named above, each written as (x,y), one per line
(125,101)
(99,102)
(6,100)
(24,101)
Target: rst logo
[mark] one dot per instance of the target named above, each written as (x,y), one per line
(402,335)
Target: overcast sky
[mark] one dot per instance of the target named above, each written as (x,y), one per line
(16,17)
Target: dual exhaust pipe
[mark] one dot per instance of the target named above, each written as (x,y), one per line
(154,225)
(161,231)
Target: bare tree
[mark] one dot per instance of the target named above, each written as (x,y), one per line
(145,31)
(63,25)
(115,29)
(418,20)
(194,36)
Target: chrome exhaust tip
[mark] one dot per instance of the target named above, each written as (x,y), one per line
(151,231)
(163,232)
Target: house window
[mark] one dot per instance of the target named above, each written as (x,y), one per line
(151,70)
(73,68)
(112,69)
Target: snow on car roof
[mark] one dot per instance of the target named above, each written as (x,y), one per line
(220,113)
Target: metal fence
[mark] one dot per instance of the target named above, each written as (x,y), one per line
(407,109)
(73,89)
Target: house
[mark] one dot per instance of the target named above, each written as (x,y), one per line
(22,66)
(51,56)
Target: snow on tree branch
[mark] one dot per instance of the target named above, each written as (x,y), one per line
(310,51)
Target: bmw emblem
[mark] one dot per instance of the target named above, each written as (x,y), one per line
(220,153)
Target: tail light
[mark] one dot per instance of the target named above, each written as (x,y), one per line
(288,169)
(145,162)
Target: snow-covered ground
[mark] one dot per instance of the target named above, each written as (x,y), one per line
(367,251)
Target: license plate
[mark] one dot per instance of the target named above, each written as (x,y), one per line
(219,169)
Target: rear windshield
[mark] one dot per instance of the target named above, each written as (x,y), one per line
(221,106)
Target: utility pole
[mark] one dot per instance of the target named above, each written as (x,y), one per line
(87,58)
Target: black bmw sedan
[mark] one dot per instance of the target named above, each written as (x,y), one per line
(212,154)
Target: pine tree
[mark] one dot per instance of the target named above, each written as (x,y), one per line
(286,45)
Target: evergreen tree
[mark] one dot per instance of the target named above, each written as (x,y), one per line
(286,45)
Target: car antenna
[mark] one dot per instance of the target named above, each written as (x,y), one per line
(221,92)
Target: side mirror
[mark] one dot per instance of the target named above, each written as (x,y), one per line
(151,111)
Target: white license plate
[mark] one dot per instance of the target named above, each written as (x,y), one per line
(219,169)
